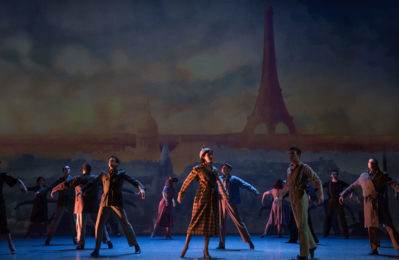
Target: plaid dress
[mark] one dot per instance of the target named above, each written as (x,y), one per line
(205,207)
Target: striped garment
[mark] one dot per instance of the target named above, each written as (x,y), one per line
(205,208)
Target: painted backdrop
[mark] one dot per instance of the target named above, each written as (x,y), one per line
(153,81)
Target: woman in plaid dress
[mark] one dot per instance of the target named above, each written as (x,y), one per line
(205,207)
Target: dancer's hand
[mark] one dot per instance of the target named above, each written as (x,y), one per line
(341,200)
(142,192)
(52,194)
(174,203)
(179,200)
(23,187)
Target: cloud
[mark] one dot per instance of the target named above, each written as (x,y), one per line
(76,60)
(214,63)
(91,67)
(20,44)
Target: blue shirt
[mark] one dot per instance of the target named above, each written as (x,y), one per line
(233,189)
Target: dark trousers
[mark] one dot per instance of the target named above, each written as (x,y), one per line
(59,212)
(81,223)
(102,216)
(334,206)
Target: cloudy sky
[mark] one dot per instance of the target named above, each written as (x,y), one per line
(89,66)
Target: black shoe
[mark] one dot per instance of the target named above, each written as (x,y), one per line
(13,251)
(374,252)
(95,253)
(291,242)
(311,251)
(75,241)
(47,243)
(251,245)
(152,235)
(220,247)
(137,249)
(298,257)
(80,247)
(110,245)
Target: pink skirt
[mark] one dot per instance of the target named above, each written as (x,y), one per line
(276,214)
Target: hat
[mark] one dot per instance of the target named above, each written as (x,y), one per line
(204,151)
(228,165)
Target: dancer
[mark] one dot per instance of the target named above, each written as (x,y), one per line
(5,178)
(112,200)
(165,217)
(298,175)
(232,185)
(276,212)
(204,214)
(39,213)
(374,183)
(64,203)
(334,188)
(86,207)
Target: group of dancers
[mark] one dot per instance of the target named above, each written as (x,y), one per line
(216,197)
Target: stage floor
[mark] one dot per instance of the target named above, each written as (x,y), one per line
(266,248)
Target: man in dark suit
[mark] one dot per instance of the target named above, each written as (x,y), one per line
(112,181)
(334,188)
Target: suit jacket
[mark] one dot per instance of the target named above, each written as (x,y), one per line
(112,182)
(64,196)
(86,203)
(373,187)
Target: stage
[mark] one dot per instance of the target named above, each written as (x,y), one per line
(266,248)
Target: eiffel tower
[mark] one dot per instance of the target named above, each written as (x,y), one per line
(270,108)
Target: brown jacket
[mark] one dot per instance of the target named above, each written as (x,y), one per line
(373,187)
(297,179)
(112,182)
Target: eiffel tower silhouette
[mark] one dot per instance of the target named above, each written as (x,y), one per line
(270,108)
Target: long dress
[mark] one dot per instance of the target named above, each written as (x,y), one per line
(165,218)
(205,207)
(276,213)
(39,210)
